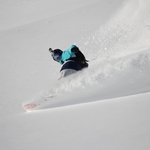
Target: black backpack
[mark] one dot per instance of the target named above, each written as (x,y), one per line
(81,60)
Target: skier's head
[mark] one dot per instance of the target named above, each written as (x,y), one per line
(56,54)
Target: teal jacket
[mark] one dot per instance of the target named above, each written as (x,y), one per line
(67,54)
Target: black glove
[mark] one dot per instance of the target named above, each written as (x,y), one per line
(50,50)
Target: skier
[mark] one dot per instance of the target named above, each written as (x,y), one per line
(72,60)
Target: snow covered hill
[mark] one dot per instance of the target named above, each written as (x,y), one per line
(103,107)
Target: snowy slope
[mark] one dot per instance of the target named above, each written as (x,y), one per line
(103,107)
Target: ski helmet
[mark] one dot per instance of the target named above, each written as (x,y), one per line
(56,54)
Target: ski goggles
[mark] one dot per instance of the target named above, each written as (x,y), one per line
(56,57)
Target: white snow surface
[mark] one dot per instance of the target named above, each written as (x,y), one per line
(104,107)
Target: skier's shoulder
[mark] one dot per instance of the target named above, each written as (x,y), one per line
(70,48)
